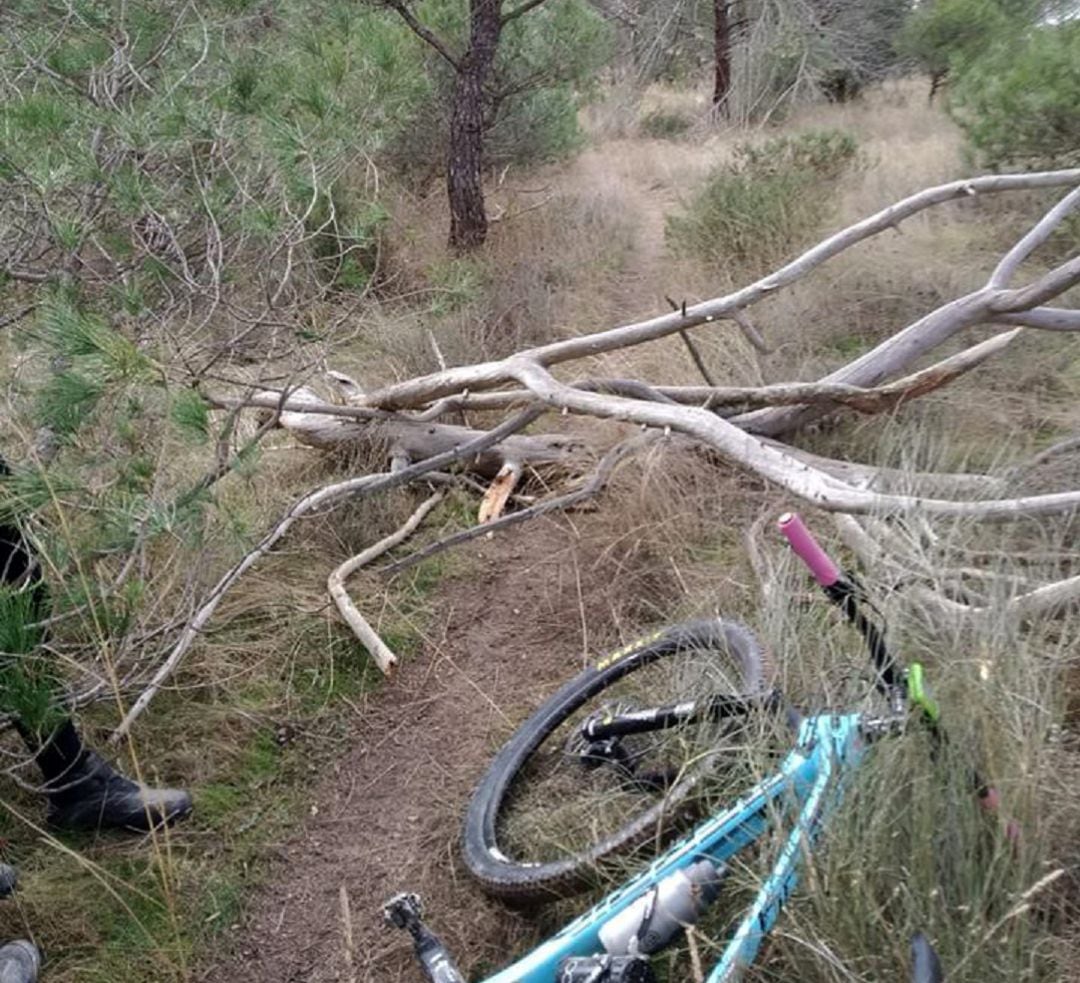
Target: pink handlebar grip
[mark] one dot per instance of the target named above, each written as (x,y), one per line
(824,570)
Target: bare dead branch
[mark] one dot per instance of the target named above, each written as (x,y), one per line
(696,356)
(487,375)
(750,333)
(408,439)
(1010,262)
(810,484)
(384,657)
(1044,318)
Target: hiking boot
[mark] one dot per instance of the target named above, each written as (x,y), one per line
(20,962)
(86,792)
(9,877)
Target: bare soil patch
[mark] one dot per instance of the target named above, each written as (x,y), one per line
(509,631)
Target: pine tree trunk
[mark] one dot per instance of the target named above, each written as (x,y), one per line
(722,46)
(464,170)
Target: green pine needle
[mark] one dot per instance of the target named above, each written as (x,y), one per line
(66,400)
(77,334)
(191,414)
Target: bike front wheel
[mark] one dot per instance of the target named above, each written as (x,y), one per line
(556,808)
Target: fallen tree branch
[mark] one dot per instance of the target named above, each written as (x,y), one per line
(1044,600)
(487,375)
(750,333)
(872,476)
(409,439)
(696,356)
(769,461)
(986,304)
(872,551)
(328,495)
(863,399)
(384,658)
(1010,262)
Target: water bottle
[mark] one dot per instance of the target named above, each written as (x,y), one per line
(657,917)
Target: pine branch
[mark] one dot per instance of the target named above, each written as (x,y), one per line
(424,33)
(519,11)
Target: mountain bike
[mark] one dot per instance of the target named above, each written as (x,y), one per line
(594,732)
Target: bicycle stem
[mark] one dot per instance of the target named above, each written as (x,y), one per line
(845,594)
(844,591)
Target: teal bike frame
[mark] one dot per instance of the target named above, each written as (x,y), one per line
(809,780)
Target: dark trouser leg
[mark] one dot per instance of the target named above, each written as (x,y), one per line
(83,789)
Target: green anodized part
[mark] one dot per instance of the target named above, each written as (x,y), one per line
(916,687)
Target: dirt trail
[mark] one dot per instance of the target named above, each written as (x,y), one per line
(645,175)
(507,633)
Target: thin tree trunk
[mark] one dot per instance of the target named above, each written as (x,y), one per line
(937,79)
(722,40)
(464,170)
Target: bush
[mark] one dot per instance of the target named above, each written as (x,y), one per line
(948,34)
(1018,102)
(665,124)
(756,209)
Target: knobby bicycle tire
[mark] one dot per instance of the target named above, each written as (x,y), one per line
(522,881)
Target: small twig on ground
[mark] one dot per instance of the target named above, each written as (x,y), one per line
(361,628)
(347,931)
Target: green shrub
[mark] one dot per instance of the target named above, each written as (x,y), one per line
(756,209)
(665,124)
(946,35)
(1019,102)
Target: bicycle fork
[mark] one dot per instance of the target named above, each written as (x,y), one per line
(404,911)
